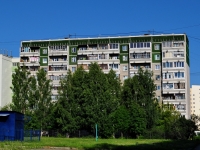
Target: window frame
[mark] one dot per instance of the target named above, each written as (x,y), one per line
(157,47)
(44,51)
(125,68)
(157,67)
(44,62)
(73,59)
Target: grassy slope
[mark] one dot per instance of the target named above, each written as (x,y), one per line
(90,144)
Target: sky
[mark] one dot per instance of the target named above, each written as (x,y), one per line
(56,19)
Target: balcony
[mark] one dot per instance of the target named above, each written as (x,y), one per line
(136,66)
(173,97)
(58,60)
(173,55)
(29,61)
(33,69)
(30,52)
(58,52)
(140,57)
(99,58)
(53,69)
(98,49)
(174,44)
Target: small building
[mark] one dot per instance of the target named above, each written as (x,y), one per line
(11,126)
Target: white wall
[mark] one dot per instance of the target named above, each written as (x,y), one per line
(195,99)
(5,80)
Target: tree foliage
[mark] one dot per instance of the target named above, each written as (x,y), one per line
(140,89)
(32,97)
(20,89)
(89,98)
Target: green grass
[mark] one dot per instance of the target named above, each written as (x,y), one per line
(106,144)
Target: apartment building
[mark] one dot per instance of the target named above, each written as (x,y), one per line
(166,55)
(195,99)
(5,80)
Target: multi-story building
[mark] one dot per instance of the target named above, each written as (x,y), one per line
(7,66)
(5,80)
(166,55)
(195,99)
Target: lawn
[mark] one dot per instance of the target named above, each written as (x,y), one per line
(104,144)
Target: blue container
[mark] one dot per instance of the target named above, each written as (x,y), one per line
(11,126)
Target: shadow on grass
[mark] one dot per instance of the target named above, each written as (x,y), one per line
(165,145)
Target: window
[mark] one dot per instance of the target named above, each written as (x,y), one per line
(113,66)
(178,64)
(163,54)
(102,56)
(44,51)
(125,58)
(73,69)
(167,65)
(125,68)
(157,57)
(168,86)
(157,77)
(44,60)
(73,59)
(179,74)
(125,77)
(73,50)
(178,54)
(114,46)
(157,67)
(15,64)
(157,47)
(140,45)
(167,44)
(55,59)
(168,75)
(139,55)
(124,47)
(193,102)
(158,87)
(178,44)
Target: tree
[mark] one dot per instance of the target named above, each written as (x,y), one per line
(43,103)
(80,81)
(141,89)
(99,102)
(20,89)
(64,108)
(121,120)
(138,120)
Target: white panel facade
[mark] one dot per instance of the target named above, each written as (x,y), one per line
(5,80)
